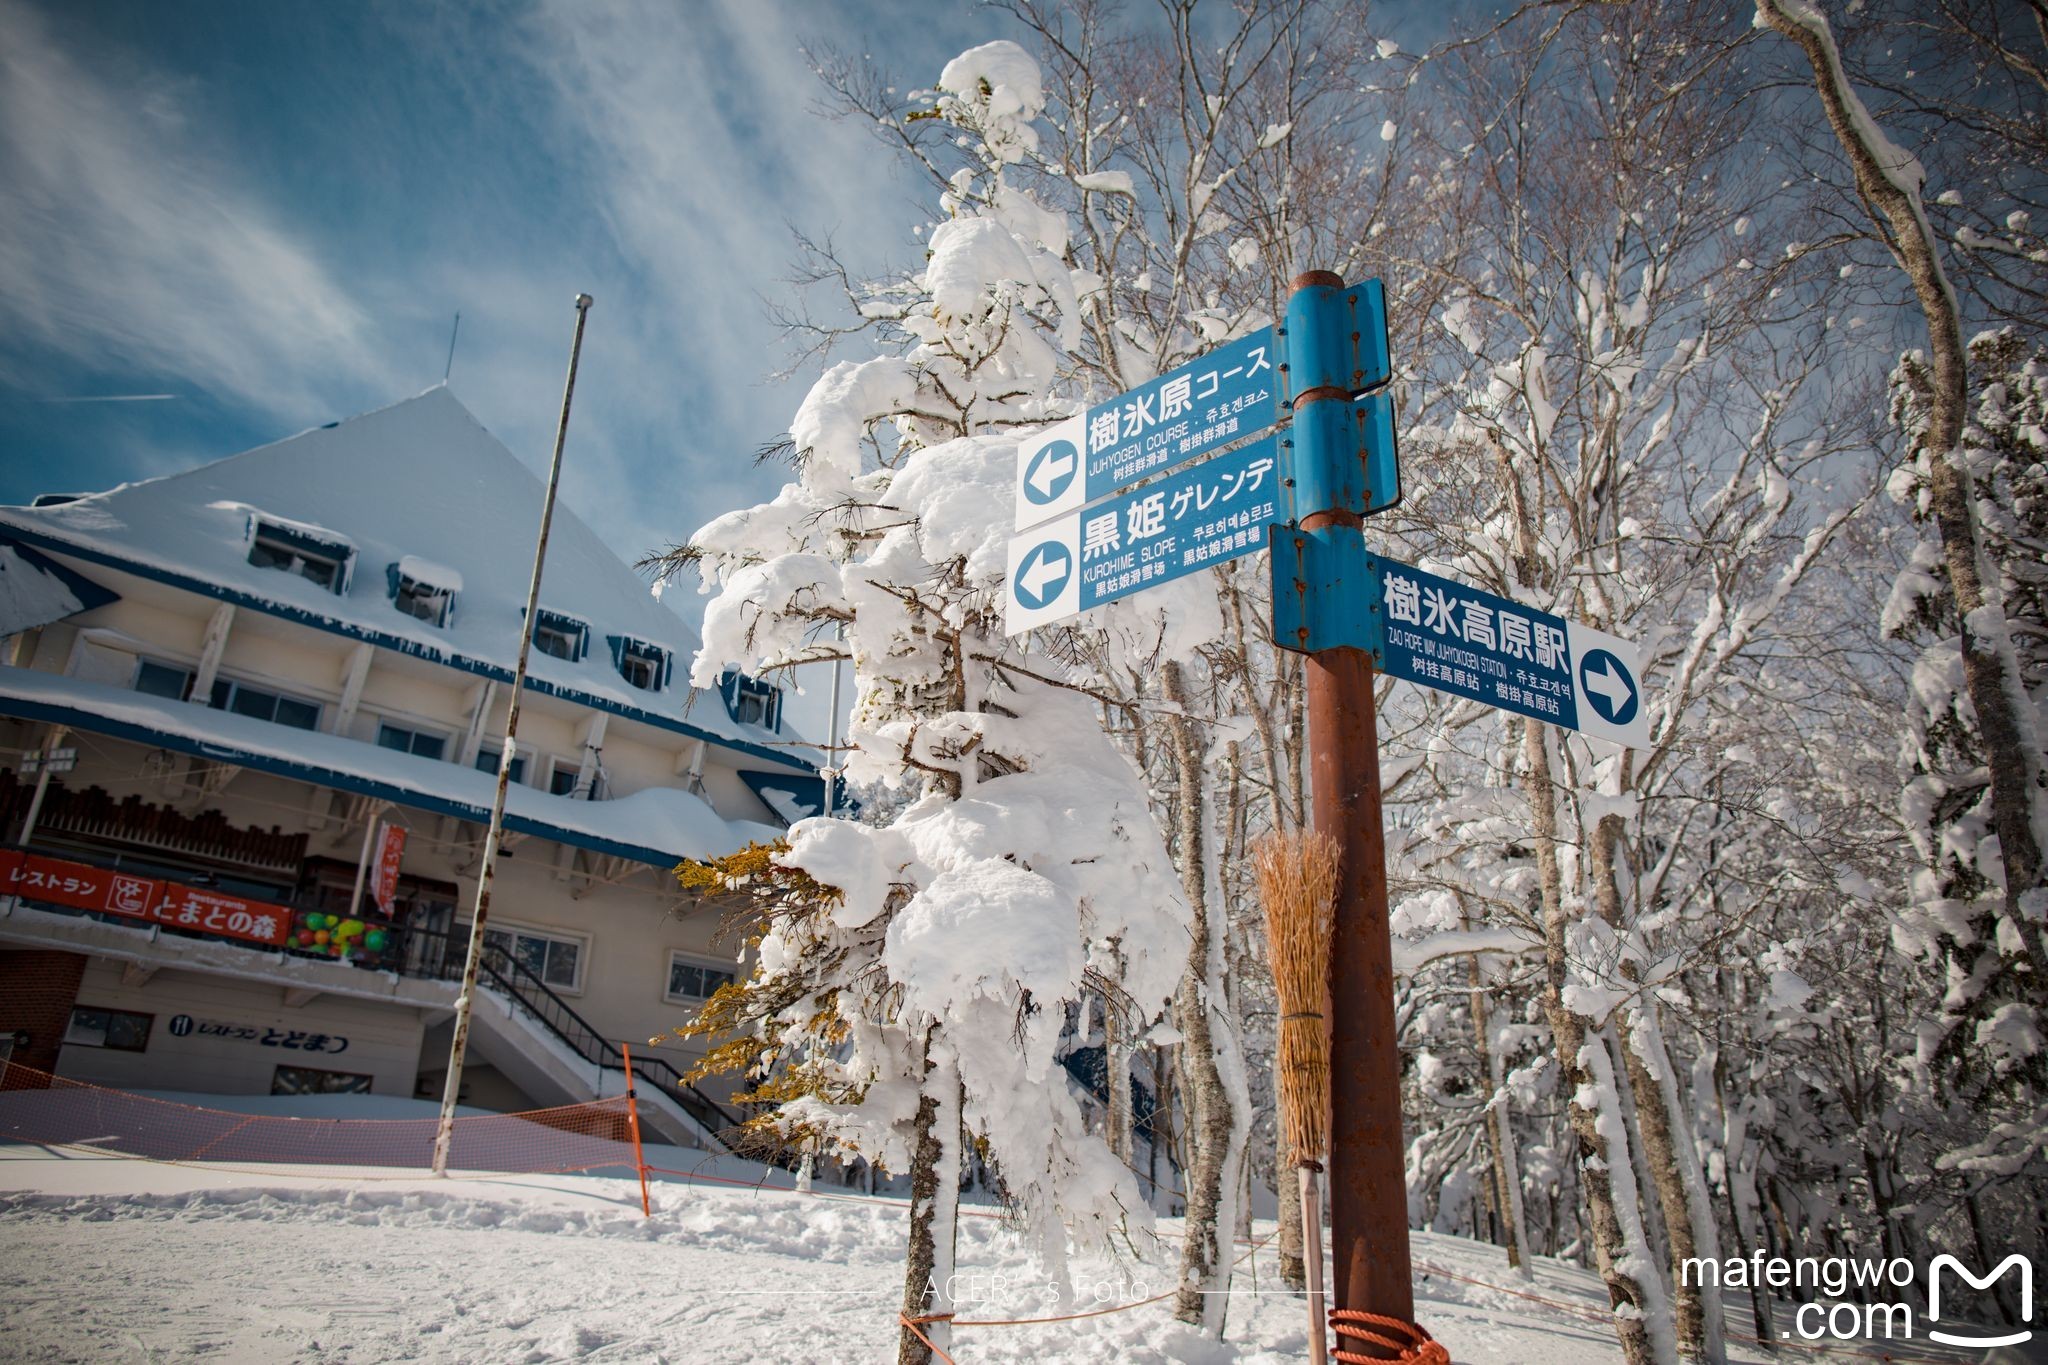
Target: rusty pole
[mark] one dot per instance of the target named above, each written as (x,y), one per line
(444,1136)
(1368,1173)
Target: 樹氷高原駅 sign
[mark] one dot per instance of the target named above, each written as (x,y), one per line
(1457,639)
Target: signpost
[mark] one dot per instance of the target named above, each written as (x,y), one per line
(1229,394)
(1442,634)
(1105,509)
(1191,520)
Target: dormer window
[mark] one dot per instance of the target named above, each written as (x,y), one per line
(317,556)
(644,665)
(423,589)
(749,701)
(563,637)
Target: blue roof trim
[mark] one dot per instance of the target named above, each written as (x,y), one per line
(80,719)
(349,630)
(89,593)
(806,788)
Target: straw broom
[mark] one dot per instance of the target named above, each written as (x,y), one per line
(1298,887)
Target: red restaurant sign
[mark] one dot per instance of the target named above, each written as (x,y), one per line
(56,881)
(390,853)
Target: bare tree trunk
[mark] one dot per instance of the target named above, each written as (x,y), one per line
(2012,749)
(1205,1254)
(1654,1122)
(934,1209)
(1604,1175)
(1116,1072)
(1116,1063)
(1507,1195)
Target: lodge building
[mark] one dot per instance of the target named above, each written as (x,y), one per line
(250,721)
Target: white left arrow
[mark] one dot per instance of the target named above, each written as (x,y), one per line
(1610,684)
(1050,472)
(1043,572)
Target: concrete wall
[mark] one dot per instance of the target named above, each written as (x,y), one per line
(383,1041)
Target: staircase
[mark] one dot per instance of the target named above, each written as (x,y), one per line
(707,1121)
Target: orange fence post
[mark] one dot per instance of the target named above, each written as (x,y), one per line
(633,1125)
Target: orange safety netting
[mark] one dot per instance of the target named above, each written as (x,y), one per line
(42,1109)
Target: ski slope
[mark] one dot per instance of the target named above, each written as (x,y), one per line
(116,1260)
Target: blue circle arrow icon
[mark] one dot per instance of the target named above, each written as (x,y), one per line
(1051,470)
(1043,574)
(1608,688)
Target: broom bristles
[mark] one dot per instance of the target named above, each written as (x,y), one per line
(1298,887)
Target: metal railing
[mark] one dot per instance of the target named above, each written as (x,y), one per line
(518,982)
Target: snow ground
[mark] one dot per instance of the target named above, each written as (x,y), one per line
(115,1259)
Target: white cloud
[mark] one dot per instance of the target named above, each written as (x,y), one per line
(699,129)
(129,244)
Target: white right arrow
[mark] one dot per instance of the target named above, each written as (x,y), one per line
(1043,572)
(1050,472)
(1609,684)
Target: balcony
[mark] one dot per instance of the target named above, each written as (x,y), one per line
(93,816)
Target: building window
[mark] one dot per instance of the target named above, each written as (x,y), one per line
(692,979)
(556,959)
(245,700)
(487,760)
(116,1030)
(423,590)
(562,778)
(563,637)
(306,1080)
(749,701)
(298,550)
(163,680)
(644,665)
(421,743)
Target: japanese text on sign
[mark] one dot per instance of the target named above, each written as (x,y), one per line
(1227,395)
(1458,639)
(304,1040)
(80,886)
(1207,515)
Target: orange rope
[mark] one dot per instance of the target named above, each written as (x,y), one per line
(930,1345)
(1418,1347)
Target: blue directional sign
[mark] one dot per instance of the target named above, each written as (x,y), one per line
(1457,639)
(1191,520)
(1232,393)
(1051,471)
(1042,575)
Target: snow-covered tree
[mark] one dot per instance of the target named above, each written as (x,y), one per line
(1985,1041)
(929,999)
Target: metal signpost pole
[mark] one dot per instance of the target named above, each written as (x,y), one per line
(445,1135)
(1184,473)
(1368,1178)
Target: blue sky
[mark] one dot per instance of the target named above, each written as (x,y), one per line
(271,212)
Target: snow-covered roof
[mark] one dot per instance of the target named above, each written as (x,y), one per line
(660,825)
(419,488)
(36,590)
